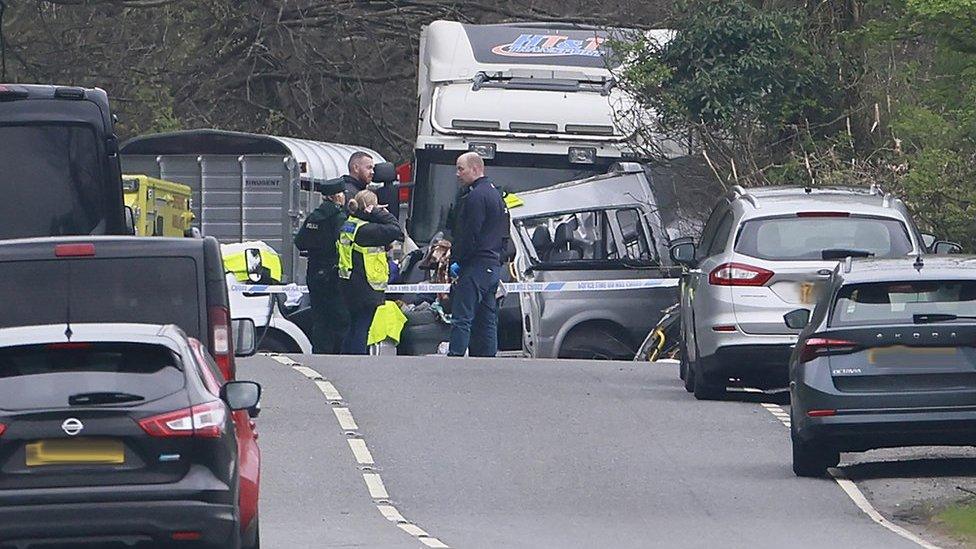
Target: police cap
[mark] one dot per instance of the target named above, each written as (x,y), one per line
(332,186)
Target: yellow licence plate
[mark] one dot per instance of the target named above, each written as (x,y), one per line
(808,292)
(78,451)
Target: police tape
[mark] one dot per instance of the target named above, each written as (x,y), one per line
(512,287)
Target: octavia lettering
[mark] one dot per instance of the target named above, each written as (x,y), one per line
(550,45)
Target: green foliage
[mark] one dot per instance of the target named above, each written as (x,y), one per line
(884,93)
(732,65)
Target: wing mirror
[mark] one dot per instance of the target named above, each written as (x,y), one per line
(244,336)
(944,247)
(130,221)
(683,253)
(241,395)
(798,319)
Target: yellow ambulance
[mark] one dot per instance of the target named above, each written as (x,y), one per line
(159,208)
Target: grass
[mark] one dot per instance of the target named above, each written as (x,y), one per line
(960,520)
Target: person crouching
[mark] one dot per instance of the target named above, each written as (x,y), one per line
(363,267)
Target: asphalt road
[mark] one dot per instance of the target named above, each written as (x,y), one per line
(516,453)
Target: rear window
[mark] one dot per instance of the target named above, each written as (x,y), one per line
(56,376)
(51,180)
(149,290)
(898,302)
(806,238)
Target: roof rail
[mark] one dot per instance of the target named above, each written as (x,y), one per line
(738,191)
(848,264)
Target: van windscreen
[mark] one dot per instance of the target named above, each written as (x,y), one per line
(51,178)
(150,290)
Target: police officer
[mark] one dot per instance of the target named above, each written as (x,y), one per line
(477,252)
(363,265)
(318,237)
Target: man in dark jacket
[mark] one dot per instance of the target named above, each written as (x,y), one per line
(479,237)
(360,174)
(317,237)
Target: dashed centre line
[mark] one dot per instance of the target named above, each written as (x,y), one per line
(374,483)
(359,449)
(345,419)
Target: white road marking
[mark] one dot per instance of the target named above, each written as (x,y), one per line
(328,389)
(375,485)
(283,360)
(433,542)
(855,493)
(412,529)
(346,422)
(861,501)
(307,372)
(359,449)
(391,513)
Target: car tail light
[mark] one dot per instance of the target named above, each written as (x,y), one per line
(2,429)
(221,344)
(186,536)
(823,214)
(738,274)
(202,420)
(86,249)
(821,346)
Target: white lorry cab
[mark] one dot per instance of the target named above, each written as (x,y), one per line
(536,100)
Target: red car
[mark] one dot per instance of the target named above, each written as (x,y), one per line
(249,455)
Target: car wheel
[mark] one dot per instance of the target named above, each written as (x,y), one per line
(811,459)
(682,362)
(708,387)
(689,375)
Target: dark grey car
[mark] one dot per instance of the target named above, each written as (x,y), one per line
(887,360)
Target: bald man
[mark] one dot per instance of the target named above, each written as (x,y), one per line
(482,225)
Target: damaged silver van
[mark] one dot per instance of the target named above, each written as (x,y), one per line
(606,227)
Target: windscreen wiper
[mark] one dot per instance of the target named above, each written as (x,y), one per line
(104,397)
(939,317)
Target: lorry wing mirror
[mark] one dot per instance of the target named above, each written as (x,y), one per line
(244,336)
(384,172)
(797,319)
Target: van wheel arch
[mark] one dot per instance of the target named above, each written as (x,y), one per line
(277,341)
(597,339)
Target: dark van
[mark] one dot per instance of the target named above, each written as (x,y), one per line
(120,280)
(59,163)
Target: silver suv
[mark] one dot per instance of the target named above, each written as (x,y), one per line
(765,252)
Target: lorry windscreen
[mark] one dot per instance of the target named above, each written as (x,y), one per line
(51,179)
(437,188)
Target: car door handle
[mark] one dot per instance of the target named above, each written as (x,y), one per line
(694,271)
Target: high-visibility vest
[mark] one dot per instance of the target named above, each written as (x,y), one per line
(374,257)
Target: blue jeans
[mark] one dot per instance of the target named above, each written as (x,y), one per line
(474,311)
(360,321)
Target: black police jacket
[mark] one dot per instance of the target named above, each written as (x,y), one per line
(319,234)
